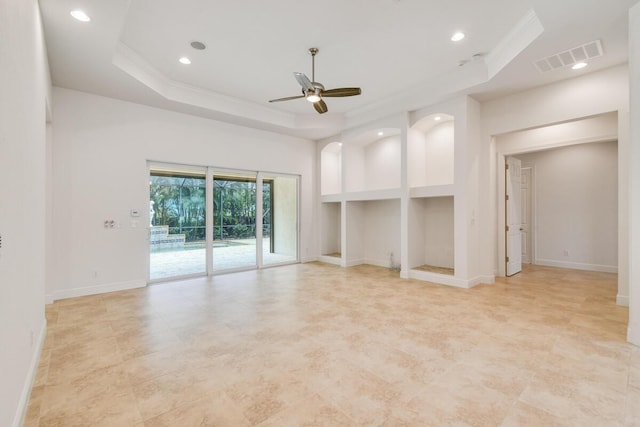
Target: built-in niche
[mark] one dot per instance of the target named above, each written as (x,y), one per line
(431,240)
(331,169)
(431,152)
(331,230)
(373,233)
(372,161)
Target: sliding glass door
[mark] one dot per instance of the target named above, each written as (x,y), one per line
(234,222)
(207,221)
(177,210)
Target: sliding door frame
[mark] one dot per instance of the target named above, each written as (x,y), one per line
(209,172)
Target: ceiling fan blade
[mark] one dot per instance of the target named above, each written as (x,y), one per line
(304,81)
(288,98)
(320,106)
(343,91)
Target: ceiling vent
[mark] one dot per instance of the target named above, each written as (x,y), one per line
(569,57)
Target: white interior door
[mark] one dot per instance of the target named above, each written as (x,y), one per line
(525,175)
(513,218)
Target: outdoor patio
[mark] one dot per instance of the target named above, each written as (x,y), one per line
(227,255)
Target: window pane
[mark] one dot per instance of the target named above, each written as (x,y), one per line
(234,219)
(177,235)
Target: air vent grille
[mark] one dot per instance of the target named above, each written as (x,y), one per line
(569,57)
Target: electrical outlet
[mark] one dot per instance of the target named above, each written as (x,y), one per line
(566,252)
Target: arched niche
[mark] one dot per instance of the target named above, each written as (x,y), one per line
(372,160)
(331,169)
(431,147)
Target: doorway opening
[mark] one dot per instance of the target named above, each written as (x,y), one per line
(565,200)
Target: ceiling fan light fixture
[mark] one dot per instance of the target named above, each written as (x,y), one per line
(313,97)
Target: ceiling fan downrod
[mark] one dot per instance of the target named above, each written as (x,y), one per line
(313,51)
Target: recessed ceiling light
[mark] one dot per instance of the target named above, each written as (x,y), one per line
(457,36)
(380,133)
(80,15)
(184,60)
(198,45)
(437,118)
(579,65)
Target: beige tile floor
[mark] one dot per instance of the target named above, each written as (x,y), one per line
(319,345)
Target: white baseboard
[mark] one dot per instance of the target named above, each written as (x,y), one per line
(354,262)
(23,403)
(578,265)
(622,300)
(482,280)
(377,263)
(445,279)
(94,290)
(309,259)
(330,259)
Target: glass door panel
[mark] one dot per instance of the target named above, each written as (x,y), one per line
(234,222)
(279,219)
(177,231)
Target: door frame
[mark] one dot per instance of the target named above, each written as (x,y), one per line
(518,206)
(532,212)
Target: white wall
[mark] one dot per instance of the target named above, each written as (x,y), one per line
(431,156)
(381,235)
(353,249)
(331,169)
(432,232)
(353,166)
(438,232)
(23,95)
(101,150)
(331,238)
(285,215)
(634,176)
(382,164)
(576,206)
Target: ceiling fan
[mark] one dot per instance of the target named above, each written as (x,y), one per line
(314,91)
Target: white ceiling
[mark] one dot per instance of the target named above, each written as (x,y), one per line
(398,51)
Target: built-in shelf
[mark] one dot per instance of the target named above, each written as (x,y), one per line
(430,149)
(372,232)
(331,238)
(370,195)
(432,191)
(372,164)
(431,239)
(332,198)
(391,189)
(331,169)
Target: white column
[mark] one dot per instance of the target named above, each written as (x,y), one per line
(209,221)
(259,211)
(634,177)
(404,198)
